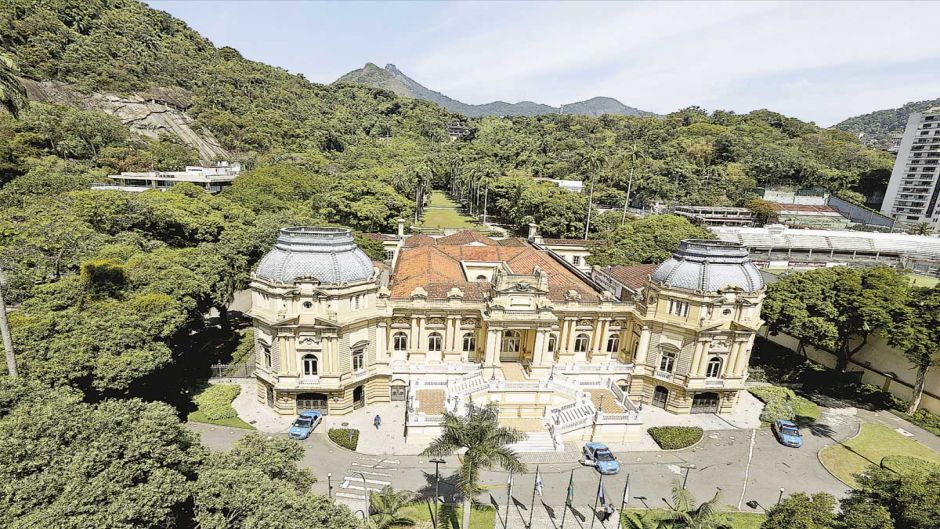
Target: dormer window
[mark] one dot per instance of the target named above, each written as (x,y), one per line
(482,277)
(679,308)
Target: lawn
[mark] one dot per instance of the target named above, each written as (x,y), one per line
(481,517)
(232,422)
(873,443)
(739,520)
(214,406)
(442,212)
(923,281)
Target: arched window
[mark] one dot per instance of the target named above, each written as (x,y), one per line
(358,359)
(511,342)
(310,366)
(482,277)
(435,341)
(469,342)
(581,343)
(714,368)
(552,342)
(667,360)
(400,341)
(613,344)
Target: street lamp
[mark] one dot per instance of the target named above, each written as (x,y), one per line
(437,487)
(686,478)
(329,484)
(365,491)
(780,497)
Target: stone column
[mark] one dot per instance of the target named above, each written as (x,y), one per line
(572,332)
(538,352)
(414,339)
(381,347)
(458,339)
(422,334)
(643,349)
(490,347)
(696,358)
(740,363)
(499,346)
(706,351)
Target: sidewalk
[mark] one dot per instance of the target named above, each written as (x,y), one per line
(387,439)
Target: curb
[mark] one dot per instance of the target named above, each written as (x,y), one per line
(326,435)
(819,454)
(693,445)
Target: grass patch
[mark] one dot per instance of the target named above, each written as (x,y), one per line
(737,520)
(233,422)
(918,280)
(783,403)
(442,212)
(908,464)
(870,447)
(675,437)
(214,406)
(481,516)
(922,418)
(348,438)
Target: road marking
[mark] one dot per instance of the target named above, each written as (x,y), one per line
(357,487)
(374,467)
(373,473)
(350,496)
(359,478)
(747,469)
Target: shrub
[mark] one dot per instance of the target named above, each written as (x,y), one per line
(804,410)
(675,437)
(768,393)
(215,402)
(777,409)
(346,437)
(783,403)
(908,464)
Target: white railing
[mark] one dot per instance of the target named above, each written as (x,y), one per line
(615,389)
(420,419)
(605,367)
(630,417)
(663,375)
(714,383)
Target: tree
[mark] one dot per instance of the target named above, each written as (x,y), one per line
(917,334)
(912,498)
(684,513)
(801,511)
(385,505)
(650,239)
(485,443)
(763,210)
(832,307)
(12,94)
(864,516)
(120,464)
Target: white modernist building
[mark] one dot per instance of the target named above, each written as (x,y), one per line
(212,178)
(913,189)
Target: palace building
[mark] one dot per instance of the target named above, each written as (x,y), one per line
(467,318)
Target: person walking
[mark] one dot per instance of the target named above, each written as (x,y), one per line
(377,421)
(608,512)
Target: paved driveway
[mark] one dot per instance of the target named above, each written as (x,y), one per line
(745,464)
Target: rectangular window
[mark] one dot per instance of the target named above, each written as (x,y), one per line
(357,359)
(679,308)
(576,260)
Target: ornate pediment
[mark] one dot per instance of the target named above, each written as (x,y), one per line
(308,340)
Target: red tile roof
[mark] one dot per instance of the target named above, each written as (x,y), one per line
(632,277)
(465,237)
(437,269)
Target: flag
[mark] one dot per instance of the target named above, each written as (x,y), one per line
(602,498)
(569,501)
(626,491)
(538,481)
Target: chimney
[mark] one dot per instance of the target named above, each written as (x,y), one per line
(401,229)
(533,231)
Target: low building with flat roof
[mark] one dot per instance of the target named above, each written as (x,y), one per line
(716,216)
(212,178)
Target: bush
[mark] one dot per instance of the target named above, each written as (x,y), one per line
(346,437)
(777,409)
(675,437)
(783,403)
(766,394)
(215,402)
(908,464)
(804,410)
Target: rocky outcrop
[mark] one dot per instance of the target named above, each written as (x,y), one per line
(152,113)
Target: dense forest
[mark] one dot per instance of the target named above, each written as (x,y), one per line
(880,128)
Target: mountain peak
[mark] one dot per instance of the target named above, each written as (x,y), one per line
(391,78)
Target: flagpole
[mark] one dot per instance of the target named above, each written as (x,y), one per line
(597,497)
(623,502)
(534,487)
(568,499)
(508,500)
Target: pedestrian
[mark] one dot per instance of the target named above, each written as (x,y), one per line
(608,512)
(377,421)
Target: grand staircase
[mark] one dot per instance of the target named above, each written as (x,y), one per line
(537,442)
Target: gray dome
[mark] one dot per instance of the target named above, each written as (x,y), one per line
(709,266)
(328,255)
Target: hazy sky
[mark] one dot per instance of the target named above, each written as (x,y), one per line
(816,61)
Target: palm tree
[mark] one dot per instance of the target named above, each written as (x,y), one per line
(593,161)
(12,93)
(484,442)
(647,520)
(684,514)
(386,503)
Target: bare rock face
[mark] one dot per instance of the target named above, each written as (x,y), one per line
(152,113)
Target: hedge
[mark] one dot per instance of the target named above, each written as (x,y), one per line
(215,402)
(346,437)
(675,437)
(783,403)
(908,464)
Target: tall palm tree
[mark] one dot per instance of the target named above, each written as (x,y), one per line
(485,444)
(647,520)
(685,514)
(594,162)
(386,503)
(12,93)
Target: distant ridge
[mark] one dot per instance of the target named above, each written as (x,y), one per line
(883,128)
(391,78)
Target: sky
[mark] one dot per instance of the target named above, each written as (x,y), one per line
(819,62)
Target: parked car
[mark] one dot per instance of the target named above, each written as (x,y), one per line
(787,433)
(600,457)
(304,424)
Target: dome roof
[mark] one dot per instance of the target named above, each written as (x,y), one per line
(709,266)
(327,255)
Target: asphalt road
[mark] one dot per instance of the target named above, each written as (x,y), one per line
(745,465)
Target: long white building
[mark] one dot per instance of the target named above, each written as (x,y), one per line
(913,189)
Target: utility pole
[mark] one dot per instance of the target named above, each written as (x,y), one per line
(5,331)
(437,488)
(587,225)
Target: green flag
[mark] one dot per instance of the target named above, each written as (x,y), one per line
(569,501)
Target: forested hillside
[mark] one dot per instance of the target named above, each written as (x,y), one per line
(878,129)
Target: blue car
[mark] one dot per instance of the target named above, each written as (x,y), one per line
(787,433)
(600,457)
(304,424)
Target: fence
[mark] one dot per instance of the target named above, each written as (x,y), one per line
(232,370)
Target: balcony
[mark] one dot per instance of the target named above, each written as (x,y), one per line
(663,375)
